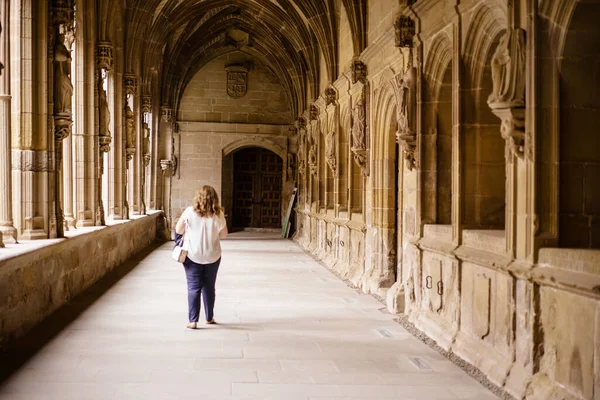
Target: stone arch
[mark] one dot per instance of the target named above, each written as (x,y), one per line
(385,175)
(436,163)
(482,146)
(256,141)
(578,138)
(485,27)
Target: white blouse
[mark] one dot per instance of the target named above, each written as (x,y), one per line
(201,238)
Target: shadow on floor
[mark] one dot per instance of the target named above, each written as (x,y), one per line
(17,353)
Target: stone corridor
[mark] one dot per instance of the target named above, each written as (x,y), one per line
(288,329)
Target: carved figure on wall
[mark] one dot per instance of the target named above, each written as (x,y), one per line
(146,141)
(330,155)
(404,29)
(301,145)
(130,134)
(358,71)
(330,95)
(508,70)
(103,110)
(405,88)
(359,124)
(63,88)
(313,112)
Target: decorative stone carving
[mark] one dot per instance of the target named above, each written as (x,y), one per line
(330,152)
(359,125)
(330,95)
(130,84)
(130,133)
(406,136)
(168,167)
(312,136)
(404,28)
(313,112)
(146,144)
(301,128)
(146,104)
(104,118)
(104,55)
(166,114)
(358,71)
(237,79)
(507,99)
(63,88)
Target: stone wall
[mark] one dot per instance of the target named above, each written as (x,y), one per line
(206,100)
(35,283)
(470,241)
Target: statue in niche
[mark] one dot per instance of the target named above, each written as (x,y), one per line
(508,70)
(301,145)
(130,138)
(63,88)
(146,142)
(103,110)
(330,156)
(359,124)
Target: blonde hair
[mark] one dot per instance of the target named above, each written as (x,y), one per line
(206,202)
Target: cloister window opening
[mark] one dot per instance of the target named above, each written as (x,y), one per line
(483,151)
(108,177)
(322,174)
(343,162)
(579,141)
(444,150)
(70,157)
(130,164)
(147,145)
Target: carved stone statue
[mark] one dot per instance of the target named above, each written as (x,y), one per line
(301,146)
(404,29)
(330,156)
(63,88)
(146,143)
(129,130)
(103,110)
(359,124)
(508,70)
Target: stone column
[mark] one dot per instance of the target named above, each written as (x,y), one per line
(104,62)
(69,220)
(129,90)
(63,24)
(8,233)
(146,151)
(168,163)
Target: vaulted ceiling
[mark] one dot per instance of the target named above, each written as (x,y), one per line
(178,37)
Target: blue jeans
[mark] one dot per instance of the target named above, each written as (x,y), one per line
(201,278)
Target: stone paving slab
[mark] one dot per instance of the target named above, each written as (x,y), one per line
(287,330)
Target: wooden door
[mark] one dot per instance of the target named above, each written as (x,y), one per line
(257,189)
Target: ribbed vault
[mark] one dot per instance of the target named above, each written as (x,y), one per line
(176,38)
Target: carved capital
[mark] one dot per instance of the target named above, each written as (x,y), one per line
(330,95)
(360,158)
(408,143)
(62,127)
(168,167)
(130,83)
(300,123)
(359,71)
(129,152)
(404,28)
(146,160)
(63,14)
(313,112)
(146,104)
(166,114)
(104,55)
(104,142)
(512,129)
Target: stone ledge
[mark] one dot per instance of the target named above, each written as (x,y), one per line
(42,276)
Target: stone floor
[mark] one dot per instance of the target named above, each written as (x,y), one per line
(288,330)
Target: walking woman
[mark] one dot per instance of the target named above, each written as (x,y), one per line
(203,225)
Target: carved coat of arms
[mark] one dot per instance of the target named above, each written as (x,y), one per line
(237,80)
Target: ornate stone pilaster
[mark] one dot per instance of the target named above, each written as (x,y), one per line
(104,55)
(300,125)
(507,99)
(405,89)
(313,141)
(63,21)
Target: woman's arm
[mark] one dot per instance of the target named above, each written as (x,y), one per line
(223,233)
(180,227)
